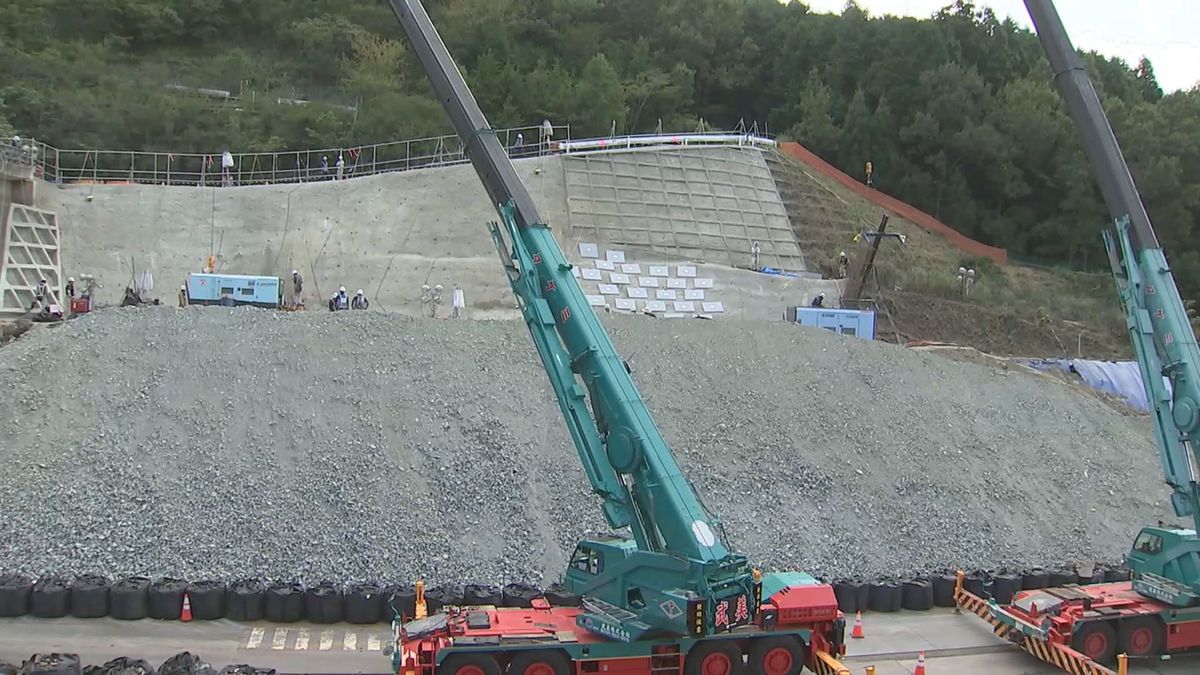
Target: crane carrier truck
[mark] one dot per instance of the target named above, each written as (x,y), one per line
(673,598)
(1157,613)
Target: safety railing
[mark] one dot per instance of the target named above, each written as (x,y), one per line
(256,168)
(158,168)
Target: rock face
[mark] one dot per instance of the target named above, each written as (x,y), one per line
(210,442)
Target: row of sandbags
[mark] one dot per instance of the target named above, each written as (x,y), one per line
(183,663)
(131,598)
(938,589)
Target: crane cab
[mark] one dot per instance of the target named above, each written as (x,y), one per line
(1161,554)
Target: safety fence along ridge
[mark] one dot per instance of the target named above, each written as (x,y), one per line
(227,168)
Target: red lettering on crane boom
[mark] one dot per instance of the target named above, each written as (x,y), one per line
(564,314)
(551,286)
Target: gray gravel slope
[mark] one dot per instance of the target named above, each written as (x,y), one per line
(215,442)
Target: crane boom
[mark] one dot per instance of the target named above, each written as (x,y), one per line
(1166,563)
(677,558)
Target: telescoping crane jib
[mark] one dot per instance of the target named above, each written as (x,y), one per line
(676,580)
(1165,562)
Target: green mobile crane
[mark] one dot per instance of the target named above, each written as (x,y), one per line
(1158,612)
(673,597)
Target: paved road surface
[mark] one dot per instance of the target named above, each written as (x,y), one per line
(954,645)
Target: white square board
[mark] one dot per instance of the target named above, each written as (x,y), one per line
(631,268)
(618,278)
(615,256)
(685,306)
(637,292)
(592,274)
(589,250)
(656,306)
(597,301)
(605,265)
(693,294)
(648,282)
(659,270)
(703,283)
(626,304)
(664,294)
(676,283)
(687,271)
(713,307)
(609,289)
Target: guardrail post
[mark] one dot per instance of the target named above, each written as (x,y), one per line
(1122,664)
(870,670)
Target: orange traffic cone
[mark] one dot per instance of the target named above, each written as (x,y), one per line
(186,614)
(857,632)
(920,669)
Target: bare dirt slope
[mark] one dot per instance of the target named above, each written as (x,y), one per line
(221,442)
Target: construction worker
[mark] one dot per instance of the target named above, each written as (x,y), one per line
(843,264)
(755,250)
(359,301)
(183,296)
(341,300)
(333,302)
(41,295)
(70,287)
(819,301)
(297,289)
(870,171)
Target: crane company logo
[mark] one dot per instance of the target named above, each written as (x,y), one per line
(740,609)
(671,609)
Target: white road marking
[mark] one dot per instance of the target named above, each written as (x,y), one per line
(279,641)
(373,644)
(350,642)
(301,639)
(326,640)
(256,638)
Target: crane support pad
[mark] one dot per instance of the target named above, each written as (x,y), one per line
(1060,656)
(825,664)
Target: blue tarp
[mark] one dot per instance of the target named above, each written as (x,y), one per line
(1119,378)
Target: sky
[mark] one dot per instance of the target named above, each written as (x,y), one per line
(1166,31)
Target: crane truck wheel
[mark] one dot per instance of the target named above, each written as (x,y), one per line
(548,662)
(1143,636)
(469,664)
(1096,640)
(777,656)
(714,657)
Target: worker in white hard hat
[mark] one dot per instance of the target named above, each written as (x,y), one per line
(343,301)
(41,295)
(297,289)
(819,301)
(458,302)
(70,287)
(359,301)
(183,296)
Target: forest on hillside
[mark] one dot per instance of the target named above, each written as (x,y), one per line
(956,112)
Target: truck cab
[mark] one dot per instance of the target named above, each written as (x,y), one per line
(1160,554)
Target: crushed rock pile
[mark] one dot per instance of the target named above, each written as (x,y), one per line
(212,442)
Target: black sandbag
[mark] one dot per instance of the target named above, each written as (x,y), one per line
(884,596)
(165,598)
(558,596)
(1095,577)
(847,596)
(323,603)
(50,598)
(245,600)
(519,594)
(973,583)
(1060,577)
(440,596)
(916,594)
(244,669)
(285,602)
(124,666)
(14,595)
(89,596)
(128,598)
(1116,574)
(1004,586)
(1034,579)
(482,594)
(363,602)
(943,589)
(399,599)
(52,664)
(186,663)
(207,599)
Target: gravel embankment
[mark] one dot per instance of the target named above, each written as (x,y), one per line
(214,442)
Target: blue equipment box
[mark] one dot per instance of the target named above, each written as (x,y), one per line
(860,323)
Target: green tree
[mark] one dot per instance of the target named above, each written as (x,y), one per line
(598,98)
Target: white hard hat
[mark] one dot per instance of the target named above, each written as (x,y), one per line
(341,289)
(71,279)
(438,287)
(359,292)
(295,272)
(183,287)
